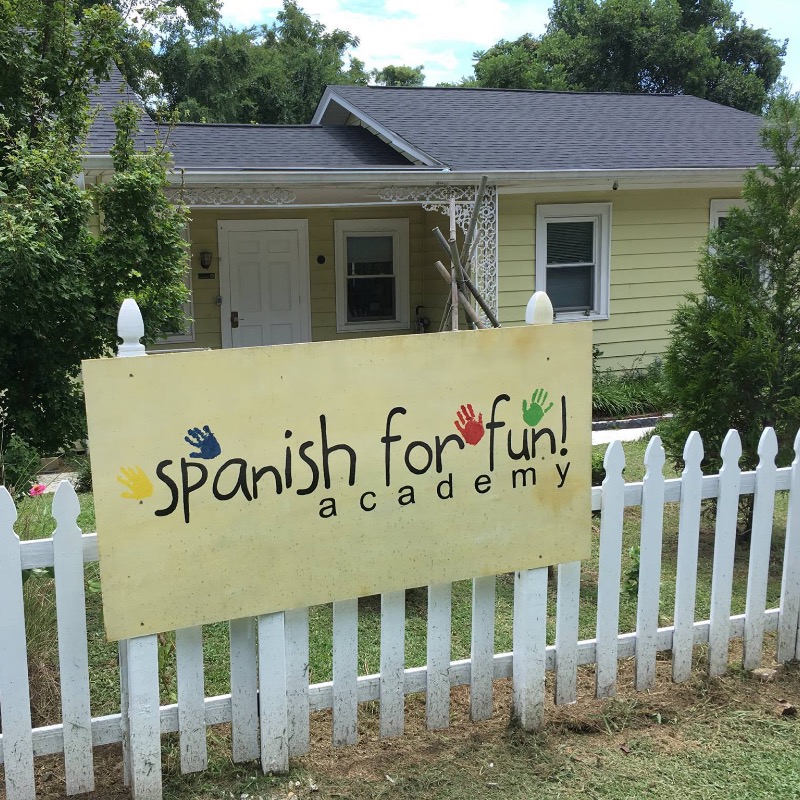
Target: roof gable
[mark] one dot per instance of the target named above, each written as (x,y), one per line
(506,130)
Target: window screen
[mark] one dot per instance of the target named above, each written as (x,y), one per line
(571,265)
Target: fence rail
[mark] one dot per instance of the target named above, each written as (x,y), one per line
(271,699)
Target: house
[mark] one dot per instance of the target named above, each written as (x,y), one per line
(324,231)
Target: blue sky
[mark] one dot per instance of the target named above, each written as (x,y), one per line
(442,36)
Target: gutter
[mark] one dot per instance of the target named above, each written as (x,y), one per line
(508,182)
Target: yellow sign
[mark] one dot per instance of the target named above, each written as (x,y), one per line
(232,483)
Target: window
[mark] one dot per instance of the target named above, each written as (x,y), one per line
(721,209)
(573,258)
(371,274)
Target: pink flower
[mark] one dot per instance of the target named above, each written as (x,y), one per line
(37,489)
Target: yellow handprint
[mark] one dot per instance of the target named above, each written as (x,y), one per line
(136,481)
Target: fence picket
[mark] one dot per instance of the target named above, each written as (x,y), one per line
(760,540)
(789,622)
(688,544)
(530,640)
(297,669)
(567,611)
(124,710)
(244,690)
(144,718)
(191,699)
(14,692)
(481,691)
(345,672)
(274,710)
(141,748)
(437,698)
(73,655)
(650,565)
(724,550)
(392,682)
(609,571)
(797,651)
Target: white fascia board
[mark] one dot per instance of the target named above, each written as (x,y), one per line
(373,126)
(94,163)
(604,180)
(311,177)
(322,106)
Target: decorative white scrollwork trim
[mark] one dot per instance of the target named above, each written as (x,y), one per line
(437,198)
(218,196)
(428,194)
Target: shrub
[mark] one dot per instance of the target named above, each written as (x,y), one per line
(598,470)
(19,465)
(83,474)
(633,391)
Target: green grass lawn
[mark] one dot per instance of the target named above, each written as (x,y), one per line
(532,761)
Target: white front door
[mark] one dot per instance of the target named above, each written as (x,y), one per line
(264,282)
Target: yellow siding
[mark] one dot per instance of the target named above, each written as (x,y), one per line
(322,276)
(656,237)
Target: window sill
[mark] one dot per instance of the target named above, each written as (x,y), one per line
(362,327)
(579,316)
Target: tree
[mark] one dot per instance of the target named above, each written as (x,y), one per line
(54,307)
(269,74)
(142,252)
(734,357)
(392,75)
(147,27)
(516,65)
(697,47)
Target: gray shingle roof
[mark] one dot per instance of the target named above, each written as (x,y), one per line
(467,130)
(109,94)
(492,129)
(243,147)
(267,147)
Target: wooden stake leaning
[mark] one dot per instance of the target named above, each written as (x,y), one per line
(466,250)
(465,304)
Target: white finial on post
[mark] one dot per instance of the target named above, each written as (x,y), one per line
(539,310)
(130,328)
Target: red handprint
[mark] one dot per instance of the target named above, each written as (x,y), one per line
(469,427)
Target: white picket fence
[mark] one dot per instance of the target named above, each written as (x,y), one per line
(270,701)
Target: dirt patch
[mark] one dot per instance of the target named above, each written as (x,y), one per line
(588,734)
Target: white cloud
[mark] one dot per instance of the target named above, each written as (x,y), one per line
(440,36)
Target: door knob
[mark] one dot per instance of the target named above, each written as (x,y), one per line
(234,319)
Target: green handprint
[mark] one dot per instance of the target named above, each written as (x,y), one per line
(532,414)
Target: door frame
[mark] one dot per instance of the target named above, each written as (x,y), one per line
(226,226)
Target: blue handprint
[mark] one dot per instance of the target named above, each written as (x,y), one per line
(205,441)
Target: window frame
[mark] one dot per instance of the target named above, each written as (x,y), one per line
(719,209)
(600,215)
(398,229)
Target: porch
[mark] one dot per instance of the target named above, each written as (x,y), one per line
(273,265)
